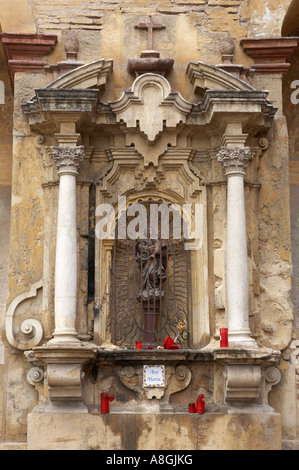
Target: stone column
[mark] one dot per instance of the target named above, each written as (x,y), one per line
(67,161)
(234,161)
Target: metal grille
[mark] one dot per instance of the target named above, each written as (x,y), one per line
(151,289)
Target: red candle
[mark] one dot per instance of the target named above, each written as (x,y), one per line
(223,337)
(200,404)
(105,399)
(138,344)
(192,408)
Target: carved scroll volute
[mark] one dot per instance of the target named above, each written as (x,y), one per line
(272,377)
(30,333)
(178,379)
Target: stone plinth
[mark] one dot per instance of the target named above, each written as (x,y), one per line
(150,62)
(211,431)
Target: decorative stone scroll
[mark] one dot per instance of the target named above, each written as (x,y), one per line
(35,375)
(30,333)
(272,377)
(176,379)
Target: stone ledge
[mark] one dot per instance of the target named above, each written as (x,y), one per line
(290,444)
(226,355)
(13,446)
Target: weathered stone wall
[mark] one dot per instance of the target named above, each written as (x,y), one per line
(291,113)
(6,110)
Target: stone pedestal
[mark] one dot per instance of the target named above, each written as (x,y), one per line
(64,364)
(69,431)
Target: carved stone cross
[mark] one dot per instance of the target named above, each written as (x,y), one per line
(150,27)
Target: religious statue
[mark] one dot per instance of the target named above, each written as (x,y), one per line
(151,256)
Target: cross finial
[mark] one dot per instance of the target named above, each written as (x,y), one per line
(150,26)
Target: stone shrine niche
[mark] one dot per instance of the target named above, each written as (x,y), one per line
(151,170)
(150,280)
(166,274)
(151,147)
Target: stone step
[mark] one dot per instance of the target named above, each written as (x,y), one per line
(13,446)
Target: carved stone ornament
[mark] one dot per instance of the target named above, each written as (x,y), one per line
(243,383)
(71,45)
(234,160)
(30,333)
(151,106)
(35,375)
(177,379)
(68,159)
(294,352)
(208,77)
(226,49)
(94,75)
(272,376)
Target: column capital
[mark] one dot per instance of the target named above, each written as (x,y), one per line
(68,159)
(234,160)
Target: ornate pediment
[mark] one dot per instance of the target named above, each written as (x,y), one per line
(92,75)
(208,77)
(151,106)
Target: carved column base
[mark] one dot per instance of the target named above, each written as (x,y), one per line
(64,370)
(241,339)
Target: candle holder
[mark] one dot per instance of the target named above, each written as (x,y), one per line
(105,400)
(223,337)
(192,408)
(200,404)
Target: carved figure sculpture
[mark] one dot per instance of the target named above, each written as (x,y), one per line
(151,256)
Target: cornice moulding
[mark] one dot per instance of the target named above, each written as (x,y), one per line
(270,55)
(208,77)
(150,109)
(25,52)
(92,75)
(48,106)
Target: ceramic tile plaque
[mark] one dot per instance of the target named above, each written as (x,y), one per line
(154,376)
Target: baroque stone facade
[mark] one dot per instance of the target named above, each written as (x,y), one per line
(110,106)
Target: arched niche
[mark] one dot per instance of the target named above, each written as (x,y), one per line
(290,25)
(186,264)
